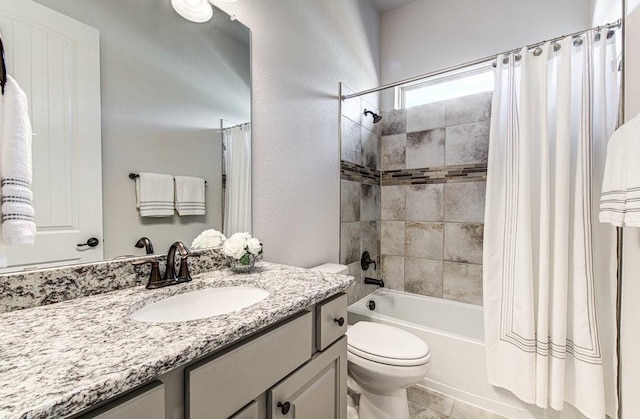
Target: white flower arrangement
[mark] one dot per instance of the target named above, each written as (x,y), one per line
(242,247)
(208,238)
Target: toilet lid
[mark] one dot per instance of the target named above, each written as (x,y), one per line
(386,344)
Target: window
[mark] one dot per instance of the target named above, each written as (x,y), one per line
(447,86)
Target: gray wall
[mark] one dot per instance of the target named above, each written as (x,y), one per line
(165,85)
(428,35)
(301,50)
(425,35)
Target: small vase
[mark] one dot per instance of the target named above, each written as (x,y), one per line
(244,264)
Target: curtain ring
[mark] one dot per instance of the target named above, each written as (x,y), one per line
(597,36)
(577,42)
(537,52)
(556,47)
(610,33)
(517,57)
(505,60)
(494,64)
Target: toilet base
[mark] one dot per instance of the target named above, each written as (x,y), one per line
(392,405)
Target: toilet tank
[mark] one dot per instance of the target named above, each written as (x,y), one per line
(333,268)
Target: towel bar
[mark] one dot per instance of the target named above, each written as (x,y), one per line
(134,176)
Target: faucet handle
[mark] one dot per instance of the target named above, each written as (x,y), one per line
(366,260)
(183,274)
(154,275)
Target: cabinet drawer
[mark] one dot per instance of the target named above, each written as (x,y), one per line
(218,387)
(328,319)
(144,403)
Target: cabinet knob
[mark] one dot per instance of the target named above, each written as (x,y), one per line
(284,407)
(340,321)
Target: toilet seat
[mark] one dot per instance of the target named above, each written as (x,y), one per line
(386,345)
(395,362)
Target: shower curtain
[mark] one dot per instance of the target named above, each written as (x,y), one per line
(237,203)
(549,267)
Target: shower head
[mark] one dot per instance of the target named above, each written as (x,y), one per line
(376,117)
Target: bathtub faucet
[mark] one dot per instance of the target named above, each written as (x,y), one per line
(373,281)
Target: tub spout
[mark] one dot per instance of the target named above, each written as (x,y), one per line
(373,281)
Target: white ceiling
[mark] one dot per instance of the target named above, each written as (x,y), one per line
(384,6)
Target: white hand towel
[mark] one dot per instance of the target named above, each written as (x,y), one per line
(154,193)
(620,201)
(614,182)
(190,195)
(18,225)
(632,198)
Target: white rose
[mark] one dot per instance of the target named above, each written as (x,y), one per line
(244,236)
(208,238)
(254,246)
(234,248)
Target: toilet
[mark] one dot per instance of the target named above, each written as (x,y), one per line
(382,362)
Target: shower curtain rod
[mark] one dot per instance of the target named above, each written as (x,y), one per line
(488,58)
(222,127)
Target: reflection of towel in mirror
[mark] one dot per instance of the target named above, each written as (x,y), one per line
(190,195)
(154,193)
(18,225)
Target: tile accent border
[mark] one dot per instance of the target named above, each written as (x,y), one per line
(430,175)
(358,173)
(20,290)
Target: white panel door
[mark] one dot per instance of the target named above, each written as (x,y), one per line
(56,61)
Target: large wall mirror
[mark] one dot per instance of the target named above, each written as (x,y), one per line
(118,87)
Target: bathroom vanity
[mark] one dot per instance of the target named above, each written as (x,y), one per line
(284,356)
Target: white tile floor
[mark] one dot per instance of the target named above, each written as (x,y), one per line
(428,404)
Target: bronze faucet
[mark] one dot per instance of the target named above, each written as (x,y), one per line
(170,271)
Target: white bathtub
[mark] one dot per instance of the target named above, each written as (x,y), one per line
(455,334)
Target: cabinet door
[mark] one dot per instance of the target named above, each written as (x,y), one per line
(248,412)
(317,390)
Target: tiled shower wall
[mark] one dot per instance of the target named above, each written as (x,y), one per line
(433,171)
(359,192)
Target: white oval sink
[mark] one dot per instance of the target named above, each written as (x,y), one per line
(200,304)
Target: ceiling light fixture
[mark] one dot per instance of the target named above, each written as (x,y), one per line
(198,11)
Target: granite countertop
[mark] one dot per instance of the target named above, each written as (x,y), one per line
(62,358)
